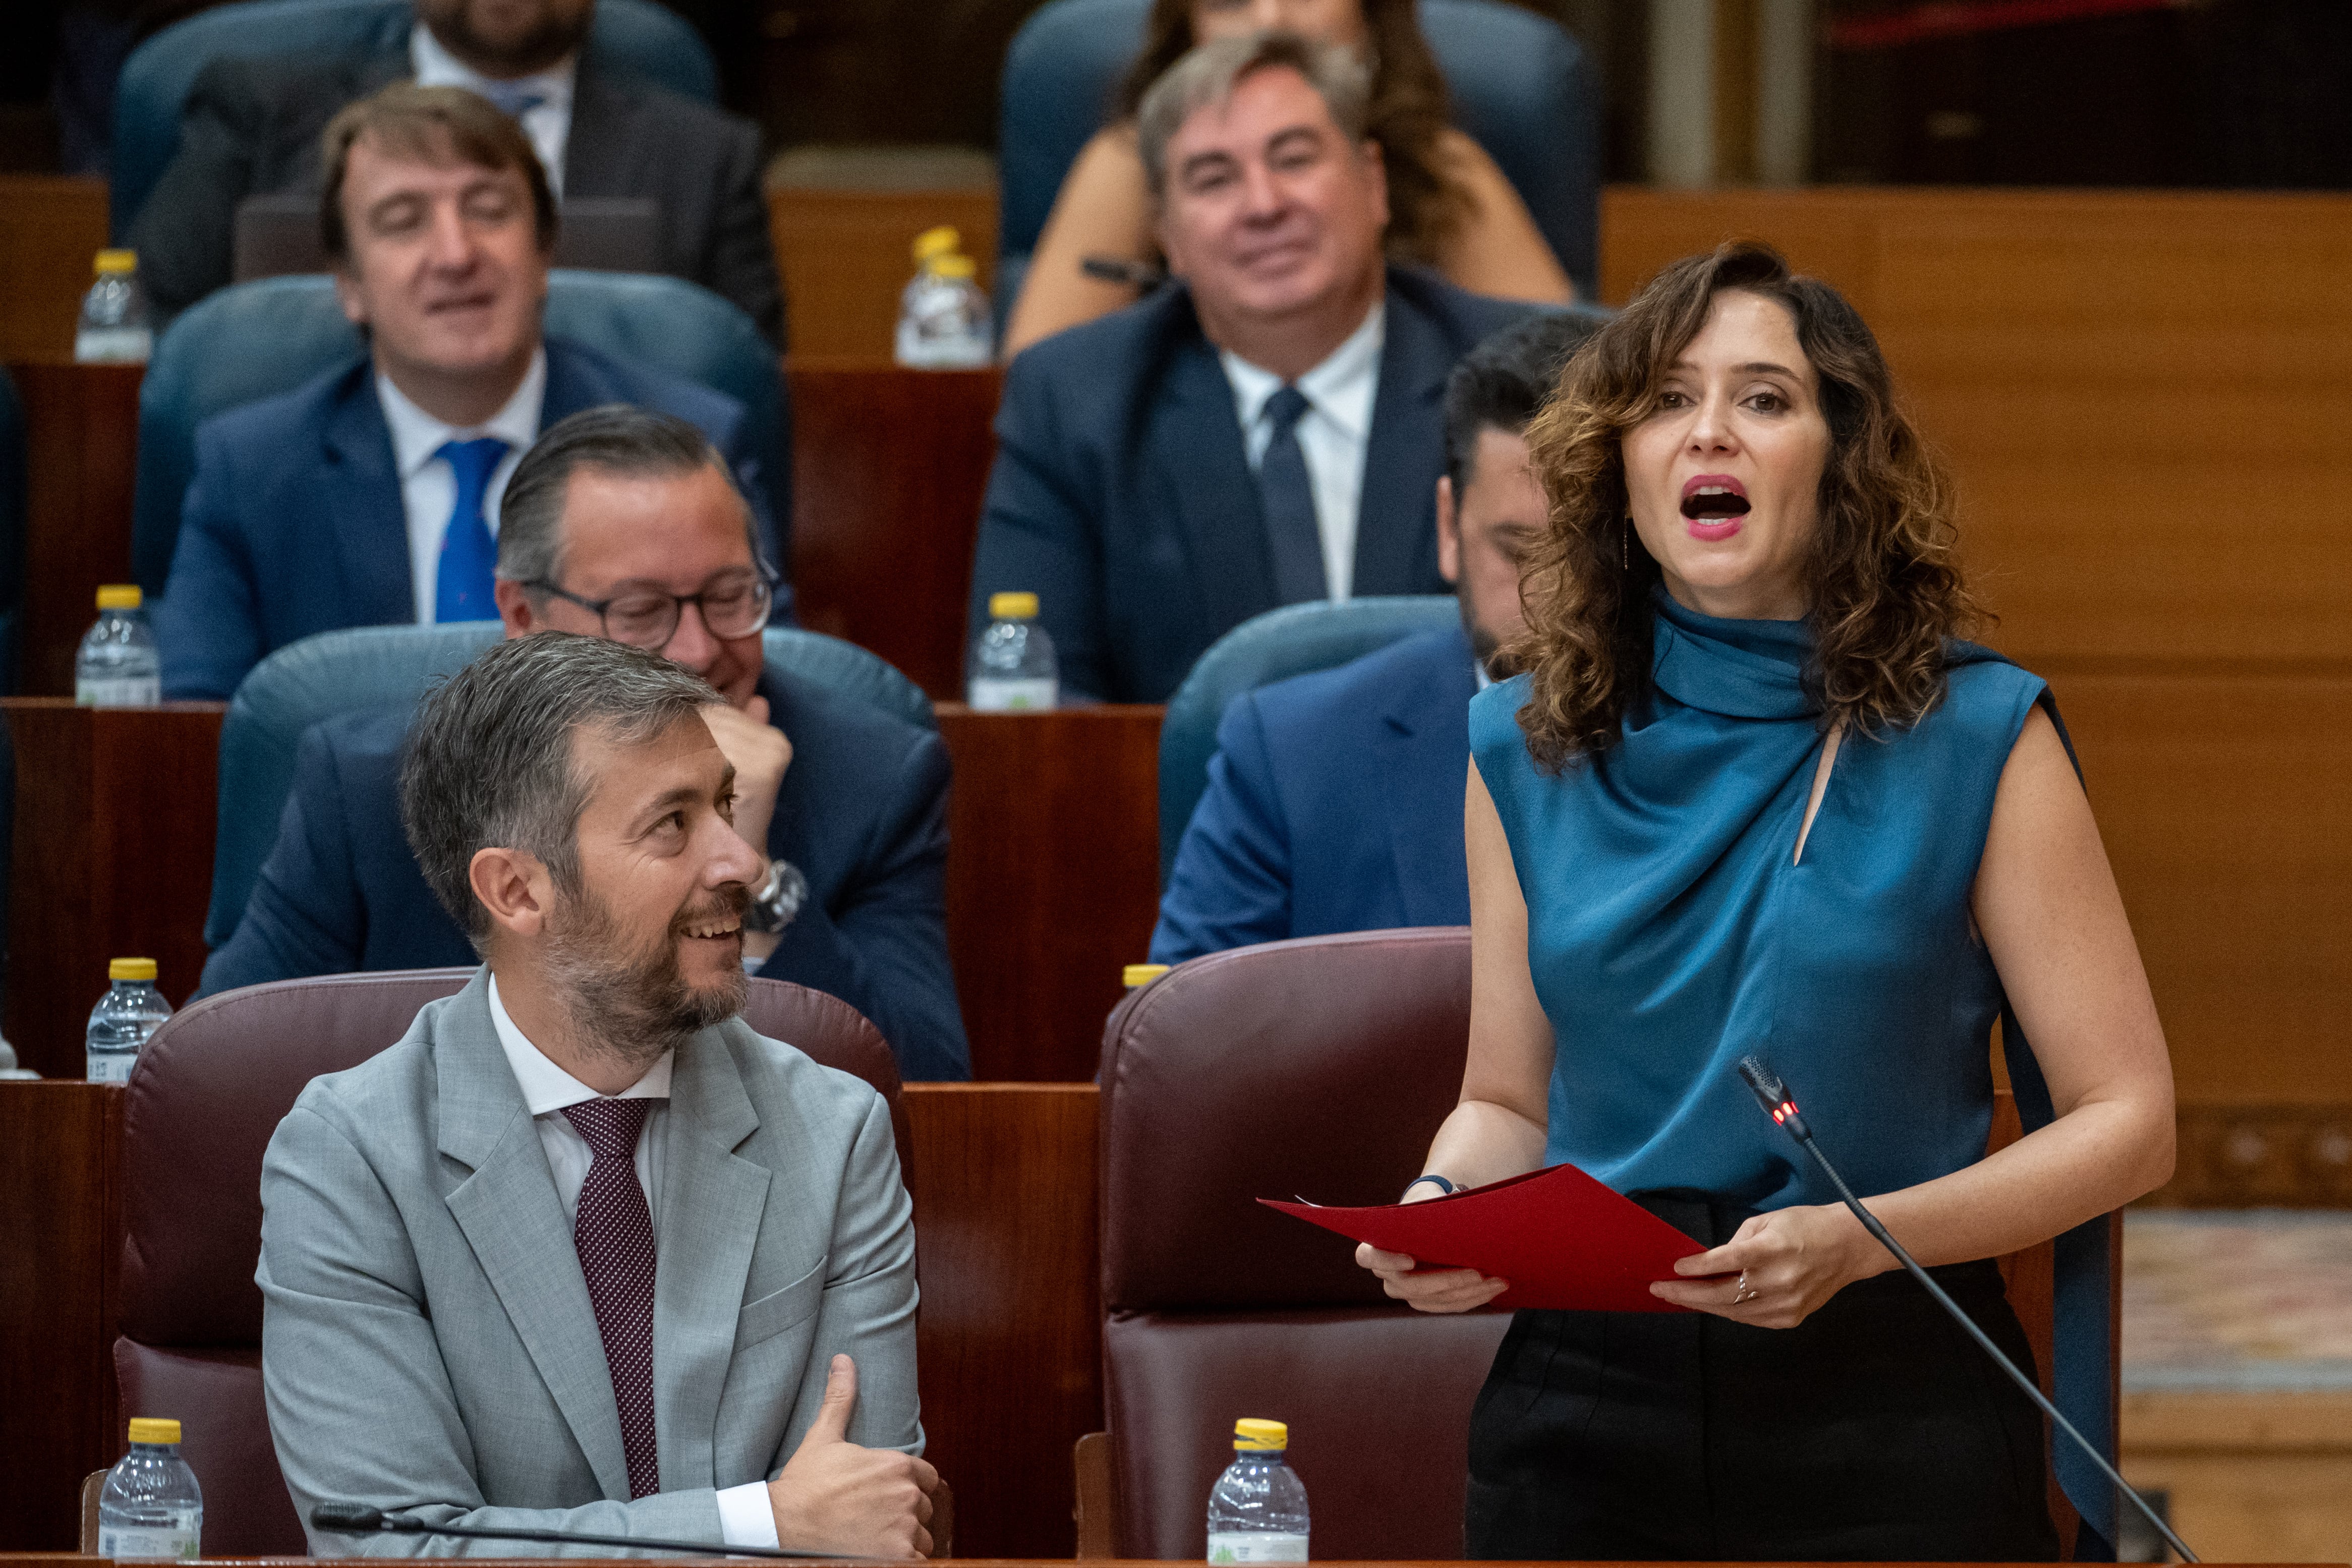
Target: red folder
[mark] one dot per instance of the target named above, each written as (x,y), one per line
(1560,1237)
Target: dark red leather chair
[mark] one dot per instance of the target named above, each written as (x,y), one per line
(208,1092)
(1317,1067)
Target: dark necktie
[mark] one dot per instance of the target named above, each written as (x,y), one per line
(1287,498)
(614,1235)
(470,558)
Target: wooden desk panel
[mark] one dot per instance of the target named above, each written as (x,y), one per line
(114,857)
(1053,878)
(844,256)
(81,440)
(51,227)
(888,466)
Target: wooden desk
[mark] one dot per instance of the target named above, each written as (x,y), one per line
(888,466)
(1053,878)
(81,441)
(844,255)
(51,226)
(115,818)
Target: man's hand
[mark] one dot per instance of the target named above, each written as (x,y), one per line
(760,753)
(835,1496)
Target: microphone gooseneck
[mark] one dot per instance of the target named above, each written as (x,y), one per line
(359,1519)
(1778,1104)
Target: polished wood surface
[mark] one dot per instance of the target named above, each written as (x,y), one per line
(2248,1476)
(846,254)
(60,1241)
(81,441)
(1053,878)
(51,227)
(1011,1337)
(113,859)
(888,465)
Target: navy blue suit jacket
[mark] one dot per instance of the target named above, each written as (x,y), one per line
(1334,804)
(862,811)
(1122,495)
(293,524)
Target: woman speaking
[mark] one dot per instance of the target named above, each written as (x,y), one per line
(1752,794)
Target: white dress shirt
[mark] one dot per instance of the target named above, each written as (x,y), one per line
(549,125)
(428,490)
(1332,435)
(746,1517)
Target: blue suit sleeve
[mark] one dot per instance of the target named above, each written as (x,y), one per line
(1230,886)
(306,914)
(1037,534)
(881,944)
(208,626)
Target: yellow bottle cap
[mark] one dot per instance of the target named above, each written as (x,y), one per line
(955,266)
(1136,975)
(146,1429)
(1261,1436)
(1012,607)
(940,241)
(116,261)
(119,596)
(132,969)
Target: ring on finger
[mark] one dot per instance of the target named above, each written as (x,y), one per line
(1745,1294)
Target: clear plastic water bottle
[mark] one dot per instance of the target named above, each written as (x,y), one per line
(1258,1511)
(1013,662)
(114,329)
(151,1506)
(132,1009)
(118,664)
(944,322)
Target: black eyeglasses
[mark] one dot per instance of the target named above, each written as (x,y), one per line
(733,604)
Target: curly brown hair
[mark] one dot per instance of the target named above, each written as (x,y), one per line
(1410,113)
(1883,580)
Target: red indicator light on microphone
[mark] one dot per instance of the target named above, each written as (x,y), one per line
(1781,1115)
(1788,1108)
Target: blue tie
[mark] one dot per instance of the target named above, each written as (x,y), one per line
(1288,501)
(512,100)
(461,585)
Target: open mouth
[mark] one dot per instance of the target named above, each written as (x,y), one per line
(1711,498)
(716,928)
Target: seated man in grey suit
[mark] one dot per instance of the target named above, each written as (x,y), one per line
(1262,431)
(582,1251)
(250,127)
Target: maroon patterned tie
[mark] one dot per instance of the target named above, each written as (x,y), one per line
(614,1234)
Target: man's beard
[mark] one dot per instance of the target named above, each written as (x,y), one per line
(634,1007)
(536,50)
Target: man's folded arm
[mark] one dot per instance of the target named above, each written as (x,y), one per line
(1230,886)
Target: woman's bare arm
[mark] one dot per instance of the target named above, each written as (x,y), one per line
(1497,250)
(1102,209)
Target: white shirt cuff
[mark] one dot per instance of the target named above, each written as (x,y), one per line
(746,1517)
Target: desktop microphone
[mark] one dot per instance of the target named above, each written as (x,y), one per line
(1781,1106)
(359,1519)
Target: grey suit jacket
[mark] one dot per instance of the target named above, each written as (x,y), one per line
(427,1346)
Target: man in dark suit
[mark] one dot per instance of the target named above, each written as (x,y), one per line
(363,498)
(1335,798)
(623,523)
(251,127)
(1263,431)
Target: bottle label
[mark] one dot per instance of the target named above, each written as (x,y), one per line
(119,691)
(1256,1546)
(993,695)
(112,1067)
(117,1540)
(113,345)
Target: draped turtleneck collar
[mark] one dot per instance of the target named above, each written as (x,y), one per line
(1741,669)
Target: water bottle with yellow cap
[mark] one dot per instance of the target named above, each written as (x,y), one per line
(1012,668)
(118,664)
(114,329)
(132,1009)
(944,322)
(150,1505)
(1257,1511)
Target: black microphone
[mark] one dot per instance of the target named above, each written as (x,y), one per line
(1135,274)
(359,1519)
(1781,1106)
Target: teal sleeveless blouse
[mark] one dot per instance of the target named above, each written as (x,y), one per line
(1671,932)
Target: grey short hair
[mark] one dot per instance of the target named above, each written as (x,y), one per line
(488,759)
(618,438)
(1208,74)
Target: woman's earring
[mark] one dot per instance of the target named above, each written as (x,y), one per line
(1625,544)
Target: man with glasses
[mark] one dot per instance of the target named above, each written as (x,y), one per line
(625,523)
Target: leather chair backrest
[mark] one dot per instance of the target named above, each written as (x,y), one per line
(206,1095)
(1292,640)
(12,529)
(1316,1068)
(638,37)
(1523,88)
(253,340)
(390,666)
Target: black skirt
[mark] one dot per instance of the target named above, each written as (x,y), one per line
(1875,1430)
